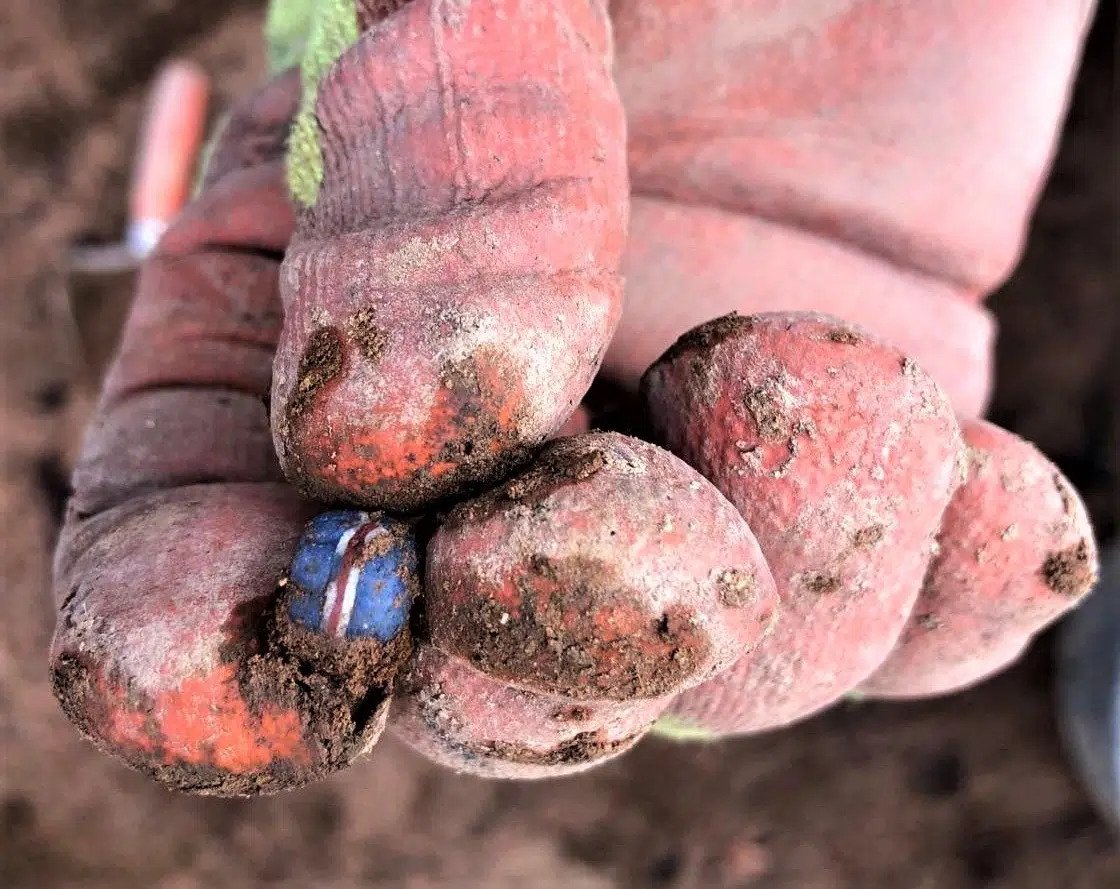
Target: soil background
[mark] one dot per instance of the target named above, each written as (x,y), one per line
(966,793)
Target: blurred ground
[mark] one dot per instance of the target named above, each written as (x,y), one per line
(969,792)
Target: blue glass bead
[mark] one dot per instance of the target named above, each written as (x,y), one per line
(343,591)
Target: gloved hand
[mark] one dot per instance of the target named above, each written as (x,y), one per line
(871,160)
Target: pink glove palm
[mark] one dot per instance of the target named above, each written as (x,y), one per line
(874,160)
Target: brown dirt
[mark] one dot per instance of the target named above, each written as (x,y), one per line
(320,363)
(362,663)
(966,793)
(737,588)
(584,747)
(375,10)
(847,337)
(821,583)
(707,336)
(367,336)
(1070,572)
(768,411)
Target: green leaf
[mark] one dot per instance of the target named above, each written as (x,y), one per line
(676,729)
(331,27)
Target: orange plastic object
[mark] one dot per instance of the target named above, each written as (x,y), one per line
(170,138)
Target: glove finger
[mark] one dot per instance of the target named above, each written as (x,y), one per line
(180,525)
(1015,552)
(453,280)
(841,454)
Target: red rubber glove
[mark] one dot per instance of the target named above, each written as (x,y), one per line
(867,159)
